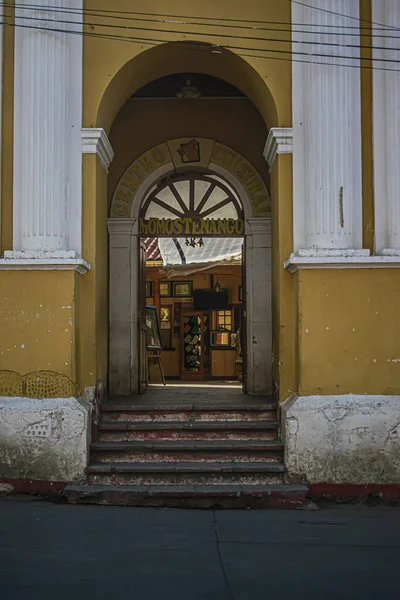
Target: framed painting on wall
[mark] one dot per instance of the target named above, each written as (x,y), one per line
(165,289)
(182,289)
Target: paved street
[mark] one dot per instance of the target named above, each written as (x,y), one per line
(52,551)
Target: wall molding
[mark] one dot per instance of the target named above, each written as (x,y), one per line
(279,141)
(95,141)
(9,263)
(296,263)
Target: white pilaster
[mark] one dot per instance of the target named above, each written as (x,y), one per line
(1,94)
(258,305)
(326,128)
(386,116)
(47,130)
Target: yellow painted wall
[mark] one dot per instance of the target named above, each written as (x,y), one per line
(108,61)
(38,333)
(320,361)
(349,331)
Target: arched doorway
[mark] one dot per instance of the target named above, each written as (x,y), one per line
(225,197)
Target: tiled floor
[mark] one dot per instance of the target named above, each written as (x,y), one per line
(188,394)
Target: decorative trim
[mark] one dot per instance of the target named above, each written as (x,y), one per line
(391,252)
(35,254)
(295,262)
(331,252)
(44,264)
(279,141)
(95,141)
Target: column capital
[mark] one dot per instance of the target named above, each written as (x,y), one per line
(279,141)
(95,141)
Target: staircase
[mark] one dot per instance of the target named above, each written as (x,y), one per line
(206,454)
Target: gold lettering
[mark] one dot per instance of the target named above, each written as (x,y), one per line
(230,226)
(255,186)
(147,164)
(120,209)
(152,226)
(158,155)
(221,225)
(195,227)
(239,226)
(143,229)
(204,226)
(178,226)
(187,223)
(213,227)
(160,226)
(169,226)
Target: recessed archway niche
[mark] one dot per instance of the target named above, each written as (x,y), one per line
(220,170)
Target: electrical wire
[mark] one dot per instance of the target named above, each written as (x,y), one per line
(216,49)
(218,35)
(218,19)
(332,12)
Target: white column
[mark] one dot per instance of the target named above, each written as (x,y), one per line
(386,115)
(47,130)
(326,128)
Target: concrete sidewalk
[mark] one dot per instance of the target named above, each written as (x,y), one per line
(65,552)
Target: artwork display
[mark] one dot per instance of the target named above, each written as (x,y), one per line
(165,289)
(153,332)
(182,289)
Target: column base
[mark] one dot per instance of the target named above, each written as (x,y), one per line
(391,252)
(43,260)
(44,438)
(346,439)
(339,259)
(331,252)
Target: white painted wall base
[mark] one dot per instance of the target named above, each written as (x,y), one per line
(342,439)
(46,439)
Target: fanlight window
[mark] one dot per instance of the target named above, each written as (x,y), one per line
(195,196)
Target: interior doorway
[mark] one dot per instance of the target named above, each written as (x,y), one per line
(192,226)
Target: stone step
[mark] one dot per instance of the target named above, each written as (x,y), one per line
(188,426)
(105,434)
(170,413)
(190,496)
(188,451)
(193,473)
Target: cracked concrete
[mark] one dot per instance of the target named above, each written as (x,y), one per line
(45,439)
(342,439)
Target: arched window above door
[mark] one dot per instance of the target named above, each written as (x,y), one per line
(192,195)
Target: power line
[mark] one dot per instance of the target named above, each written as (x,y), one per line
(332,12)
(214,47)
(218,35)
(116,14)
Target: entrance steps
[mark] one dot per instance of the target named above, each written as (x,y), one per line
(190,455)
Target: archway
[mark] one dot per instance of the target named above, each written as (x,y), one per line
(243,191)
(126,73)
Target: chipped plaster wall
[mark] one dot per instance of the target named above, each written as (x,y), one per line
(45,439)
(342,439)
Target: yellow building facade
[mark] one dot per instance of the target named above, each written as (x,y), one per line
(309,141)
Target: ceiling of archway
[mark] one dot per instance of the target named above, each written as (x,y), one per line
(190,153)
